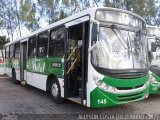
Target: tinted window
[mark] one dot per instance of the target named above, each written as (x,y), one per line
(42,44)
(11,50)
(57,42)
(32,47)
(17,50)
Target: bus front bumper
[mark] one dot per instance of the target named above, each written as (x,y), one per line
(154,88)
(100,98)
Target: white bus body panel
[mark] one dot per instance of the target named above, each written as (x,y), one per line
(40,81)
(17,74)
(25,75)
(8,71)
(37,80)
(61,82)
(77,21)
(2,70)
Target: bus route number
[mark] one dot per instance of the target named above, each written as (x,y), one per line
(102,101)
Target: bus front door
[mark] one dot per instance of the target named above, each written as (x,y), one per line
(74,63)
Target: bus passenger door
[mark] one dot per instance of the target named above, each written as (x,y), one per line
(23,55)
(75,65)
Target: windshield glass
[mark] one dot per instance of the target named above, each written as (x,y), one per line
(120,18)
(120,50)
(154,47)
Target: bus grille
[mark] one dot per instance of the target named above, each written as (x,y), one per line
(129,88)
(131,97)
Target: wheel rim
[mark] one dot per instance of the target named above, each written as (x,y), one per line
(55,90)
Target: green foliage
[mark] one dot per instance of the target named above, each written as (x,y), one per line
(145,8)
(28,15)
(8,17)
(47,10)
(3,41)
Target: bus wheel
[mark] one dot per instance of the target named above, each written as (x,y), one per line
(56,92)
(14,77)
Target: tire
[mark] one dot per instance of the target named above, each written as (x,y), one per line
(56,92)
(14,77)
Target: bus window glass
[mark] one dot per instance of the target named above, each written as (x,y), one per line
(11,50)
(7,52)
(32,47)
(42,44)
(57,42)
(17,50)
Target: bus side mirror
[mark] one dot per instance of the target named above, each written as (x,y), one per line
(150,56)
(96,28)
(153,47)
(95,35)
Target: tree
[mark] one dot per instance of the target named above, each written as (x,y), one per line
(8,15)
(27,13)
(3,41)
(156,18)
(47,9)
(18,17)
(145,8)
(54,10)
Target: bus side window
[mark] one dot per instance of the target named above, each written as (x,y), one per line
(32,47)
(17,50)
(7,52)
(57,42)
(42,44)
(11,51)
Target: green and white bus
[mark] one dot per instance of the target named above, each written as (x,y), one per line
(153,33)
(97,58)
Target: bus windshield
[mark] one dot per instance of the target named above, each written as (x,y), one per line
(154,48)
(120,18)
(120,50)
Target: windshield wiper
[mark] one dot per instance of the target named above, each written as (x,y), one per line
(124,42)
(121,38)
(129,40)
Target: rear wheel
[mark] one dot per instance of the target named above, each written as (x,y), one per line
(14,77)
(56,92)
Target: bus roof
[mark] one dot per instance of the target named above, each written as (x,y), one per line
(151,26)
(153,31)
(88,11)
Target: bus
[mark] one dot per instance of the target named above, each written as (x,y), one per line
(2,65)
(153,34)
(97,58)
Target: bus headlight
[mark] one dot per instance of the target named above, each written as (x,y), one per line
(100,84)
(152,79)
(147,84)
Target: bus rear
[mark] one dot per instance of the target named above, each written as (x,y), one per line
(117,62)
(154,58)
